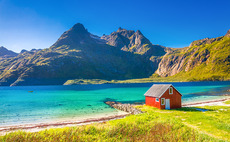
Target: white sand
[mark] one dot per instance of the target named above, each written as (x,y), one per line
(217,102)
(99,118)
(60,124)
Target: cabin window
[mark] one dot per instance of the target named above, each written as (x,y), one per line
(170,90)
(157,99)
(162,101)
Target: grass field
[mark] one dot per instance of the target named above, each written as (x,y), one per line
(140,80)
(185,124)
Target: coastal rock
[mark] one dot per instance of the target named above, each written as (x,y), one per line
(124,107)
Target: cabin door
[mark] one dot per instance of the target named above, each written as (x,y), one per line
(167,105)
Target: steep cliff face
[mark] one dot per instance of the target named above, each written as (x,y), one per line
(206,59)
(228,34)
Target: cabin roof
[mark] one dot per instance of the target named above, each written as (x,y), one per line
(157,90)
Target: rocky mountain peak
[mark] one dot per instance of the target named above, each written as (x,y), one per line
(6,53)
(131,41)
(78,28)
(2,47)
(120,29)
(77,35)
(124,32)
(138,32)
(228,33)
(23,50)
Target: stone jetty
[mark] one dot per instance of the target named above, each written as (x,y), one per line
(124,107)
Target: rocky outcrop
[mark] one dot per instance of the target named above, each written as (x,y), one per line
(5,53)
(170,65)
(173,63)
(206,56)
(23,51)
(124,107)
(135,42)
(228,34)
(204,41)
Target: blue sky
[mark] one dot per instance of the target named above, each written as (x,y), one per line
(27,24)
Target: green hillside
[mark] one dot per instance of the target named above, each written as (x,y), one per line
(76,54)
(207,59)
(185,124)
(124,56)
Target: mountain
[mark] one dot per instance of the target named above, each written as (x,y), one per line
(76,54)
(206,59)
(32,50)
(135,42)
(6,53)
(124,54)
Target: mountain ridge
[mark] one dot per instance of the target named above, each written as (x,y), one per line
(124,54)
(205,59)
(76,54)
(5,53)
(131,41)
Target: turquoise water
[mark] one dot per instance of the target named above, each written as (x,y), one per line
(51,103)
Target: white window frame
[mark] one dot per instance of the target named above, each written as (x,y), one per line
(157,99)
(162,101)
(169,90)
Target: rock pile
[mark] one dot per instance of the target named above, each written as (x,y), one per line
(124,107)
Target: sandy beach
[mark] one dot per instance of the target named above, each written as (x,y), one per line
(61,124)
(217,102)
(102,118)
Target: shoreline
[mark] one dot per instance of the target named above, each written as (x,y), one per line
(132,81)
(42,126)
(71,123)
(208,103)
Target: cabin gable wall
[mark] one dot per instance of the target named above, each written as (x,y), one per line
(175,99)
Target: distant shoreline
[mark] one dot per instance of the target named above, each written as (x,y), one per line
(42,126)
(128,81)
(71,123)
(209,103)
(140,80)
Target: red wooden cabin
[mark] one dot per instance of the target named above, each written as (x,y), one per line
(163,96)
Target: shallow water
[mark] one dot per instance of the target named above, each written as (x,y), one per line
(49,103)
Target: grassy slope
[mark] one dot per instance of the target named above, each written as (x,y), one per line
(99,81)
(186,124)
(215,68)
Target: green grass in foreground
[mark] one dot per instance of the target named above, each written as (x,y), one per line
(227,102)
(185,124)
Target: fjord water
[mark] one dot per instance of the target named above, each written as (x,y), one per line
(37,104)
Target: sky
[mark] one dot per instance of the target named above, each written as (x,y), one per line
(28,24)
